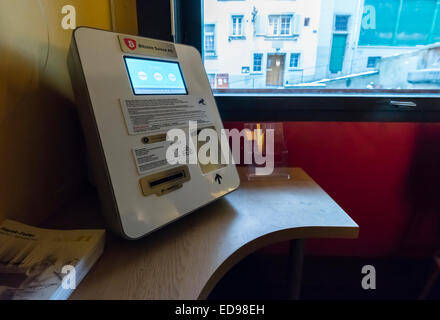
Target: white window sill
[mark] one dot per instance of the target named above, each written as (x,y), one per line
(237,38)
(282,37)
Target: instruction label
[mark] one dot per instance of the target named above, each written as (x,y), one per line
(152,157)
(148,116)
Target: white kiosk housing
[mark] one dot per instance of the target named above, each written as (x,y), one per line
(130,92)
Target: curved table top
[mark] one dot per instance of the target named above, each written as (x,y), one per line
(186,259)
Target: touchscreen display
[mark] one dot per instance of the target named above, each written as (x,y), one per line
(149,76)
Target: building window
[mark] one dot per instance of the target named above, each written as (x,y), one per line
(210,46)
(258,62)
(306,22)
(273,25)
(346,42)
(211,78)
(372,62)
(222,80)
(280,25)
(341,23)
(294,60)
(237,26)
(285,25)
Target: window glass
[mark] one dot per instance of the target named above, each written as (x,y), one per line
(359,47)
(258,61)
(294,60)
(341,22)
(285,25)
(210,49)
(306,22)
(237,25)
(274,22)
(372,62)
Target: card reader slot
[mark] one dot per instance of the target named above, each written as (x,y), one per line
(167,179)
(165,182)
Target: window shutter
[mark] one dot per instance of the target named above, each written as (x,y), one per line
(297,23)
(231,25)
(260,25)
(215,39)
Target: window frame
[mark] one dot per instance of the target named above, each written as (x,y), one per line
(308,104)
(214,42)
(279,25)
(298,66)
(336,15)
(376,60)
(233,29)
(253,63)
(282,24)
(272,26)
(307,21)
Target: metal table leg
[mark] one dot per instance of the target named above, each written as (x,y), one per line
(295,266)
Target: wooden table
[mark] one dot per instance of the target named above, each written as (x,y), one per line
(186,259)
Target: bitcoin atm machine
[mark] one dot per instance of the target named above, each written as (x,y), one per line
(130,92)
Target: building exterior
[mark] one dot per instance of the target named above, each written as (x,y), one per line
(418,69)
(261,44)
(338,36)
(393,27)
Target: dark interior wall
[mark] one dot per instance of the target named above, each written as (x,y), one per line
(385,175)
(154,19)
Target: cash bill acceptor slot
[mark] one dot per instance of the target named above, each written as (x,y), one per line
(130,92)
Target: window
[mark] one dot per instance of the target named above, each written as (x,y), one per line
(273,25)
(285,25)
(306,22)
(397,24)
(341,23)
(372,62)
(258,62)
(362,48)
(211,78)
(210,47)
(237,26)
(294,60)
(280,25)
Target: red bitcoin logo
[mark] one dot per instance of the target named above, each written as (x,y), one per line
(131,44)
